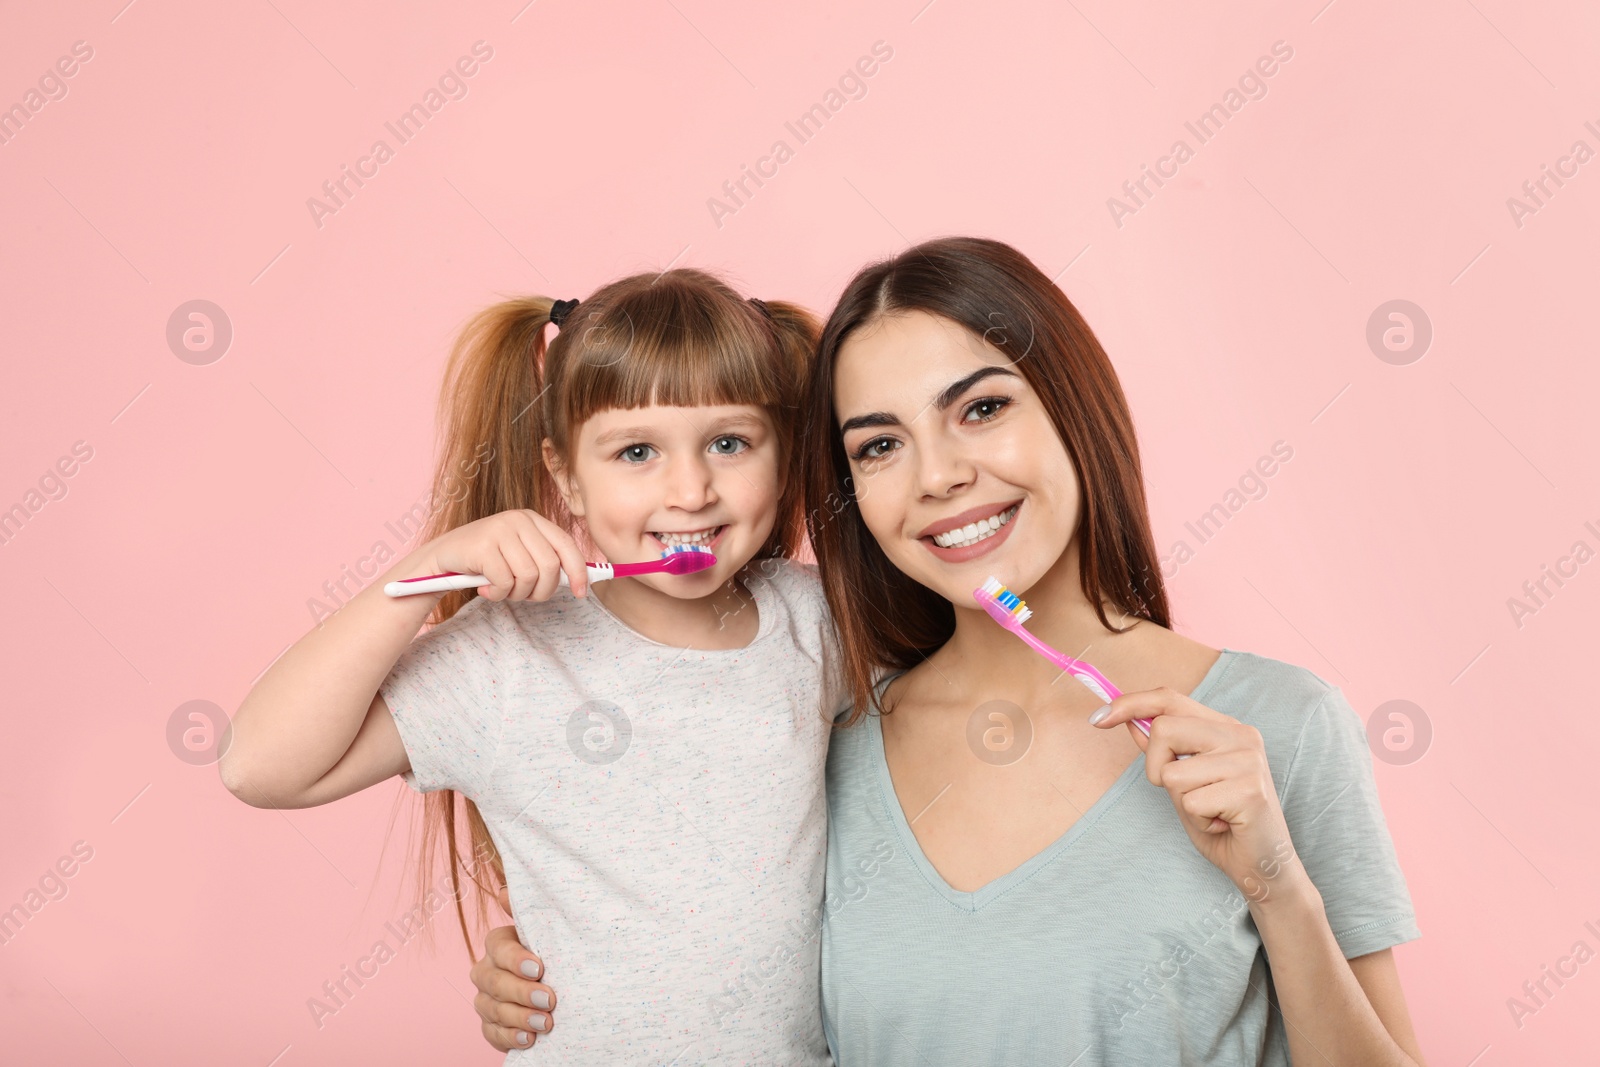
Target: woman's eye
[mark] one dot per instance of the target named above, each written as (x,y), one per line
(876,448)
(729,446)
(987,408)
(635,453)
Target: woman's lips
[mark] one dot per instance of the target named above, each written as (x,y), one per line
(973,551)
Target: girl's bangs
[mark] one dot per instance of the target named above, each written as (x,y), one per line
(632,367)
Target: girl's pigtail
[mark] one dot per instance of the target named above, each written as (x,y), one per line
(798,333)
(491,424)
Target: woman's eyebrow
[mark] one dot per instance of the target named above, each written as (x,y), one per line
(946,397)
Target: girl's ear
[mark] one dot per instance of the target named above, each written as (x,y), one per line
(562,478)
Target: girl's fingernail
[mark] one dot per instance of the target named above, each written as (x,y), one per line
(522,1038)
(1099,715)
(532,969)
(540,999)
(536,1022)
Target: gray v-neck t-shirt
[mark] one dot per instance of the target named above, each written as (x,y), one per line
(1118,943)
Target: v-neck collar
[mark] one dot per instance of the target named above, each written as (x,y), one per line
(999,886)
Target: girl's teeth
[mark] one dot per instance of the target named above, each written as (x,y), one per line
(973,532)
(705,537)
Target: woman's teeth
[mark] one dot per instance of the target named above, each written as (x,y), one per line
(704,537)
(973,532)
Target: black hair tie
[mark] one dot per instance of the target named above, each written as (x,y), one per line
(761,306)
(560,310)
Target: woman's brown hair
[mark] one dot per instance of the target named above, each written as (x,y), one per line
(680,338)
(883,618)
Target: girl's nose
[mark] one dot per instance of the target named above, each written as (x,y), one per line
(689,484)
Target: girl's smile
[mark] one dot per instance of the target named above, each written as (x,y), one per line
(706,538)
(643,480)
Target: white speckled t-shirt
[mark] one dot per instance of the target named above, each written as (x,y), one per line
(660,812)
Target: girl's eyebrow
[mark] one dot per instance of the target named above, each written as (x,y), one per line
(735,421)
(623,433)
(718,425)
(943,401)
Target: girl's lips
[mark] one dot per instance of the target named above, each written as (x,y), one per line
(971,552)
(708,544)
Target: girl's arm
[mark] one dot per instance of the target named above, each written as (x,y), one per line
(314,729)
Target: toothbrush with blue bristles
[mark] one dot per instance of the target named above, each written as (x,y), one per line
(679,559)
(1008,609)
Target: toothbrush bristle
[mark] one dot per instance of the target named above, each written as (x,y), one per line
(686,559)
(1007,601)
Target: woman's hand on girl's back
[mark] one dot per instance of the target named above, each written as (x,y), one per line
(507,989)
(521,552)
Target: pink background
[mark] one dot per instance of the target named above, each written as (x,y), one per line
(220,497)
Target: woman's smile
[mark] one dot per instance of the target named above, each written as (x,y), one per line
(971,534)
(948,441)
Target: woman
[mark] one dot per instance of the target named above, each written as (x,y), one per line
(1017,874)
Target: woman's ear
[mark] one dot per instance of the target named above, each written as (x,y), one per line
(562,478)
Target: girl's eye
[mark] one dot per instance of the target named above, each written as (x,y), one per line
(988,407)
(635,453)
(876,448)
(729,446)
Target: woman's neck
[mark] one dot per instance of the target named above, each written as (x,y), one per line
(985,658)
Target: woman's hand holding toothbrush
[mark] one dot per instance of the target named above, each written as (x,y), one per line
(1224,794)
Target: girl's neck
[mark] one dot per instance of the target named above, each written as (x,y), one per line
(725,619)
(987,658)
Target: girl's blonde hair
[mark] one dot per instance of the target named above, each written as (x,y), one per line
(680,338)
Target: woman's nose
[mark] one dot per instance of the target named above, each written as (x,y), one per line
(943,467)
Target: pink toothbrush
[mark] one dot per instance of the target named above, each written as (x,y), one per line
(679,559)
(1007,609)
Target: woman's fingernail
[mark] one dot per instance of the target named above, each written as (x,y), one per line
(536,1022)
(532,969)
(1099,715)
(522,1038)
(540,999)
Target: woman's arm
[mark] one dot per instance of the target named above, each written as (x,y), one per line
(1335,1011)
(1225,797)
(506,995)
(507,988)
(1380,980)
(313,729)
(506,991)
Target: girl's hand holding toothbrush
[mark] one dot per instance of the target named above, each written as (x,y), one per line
(522,553)
(1223,792)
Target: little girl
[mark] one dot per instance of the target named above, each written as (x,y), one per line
(641,762)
